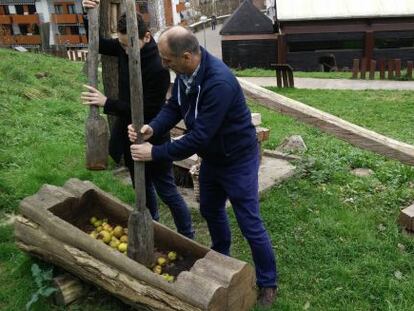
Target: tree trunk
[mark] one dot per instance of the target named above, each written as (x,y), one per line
(50,228)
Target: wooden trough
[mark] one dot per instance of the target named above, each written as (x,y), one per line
(52,224)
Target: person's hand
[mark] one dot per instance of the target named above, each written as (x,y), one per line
(90,4)
(93,97)
(146,132)
(141,152)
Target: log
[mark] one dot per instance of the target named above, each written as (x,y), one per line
(69,289)
(351,133)
(97,135)
(50,228)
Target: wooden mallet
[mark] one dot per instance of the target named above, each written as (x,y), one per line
(140,226)
(97,135)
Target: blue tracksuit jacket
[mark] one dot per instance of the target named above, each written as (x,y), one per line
(215,113)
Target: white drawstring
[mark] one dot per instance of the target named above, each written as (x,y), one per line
(189,107)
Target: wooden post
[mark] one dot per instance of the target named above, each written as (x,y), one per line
(410,69)
(109,63)
(355,68)
(290,77)
(279,77)
(97,137)
(285,79)
(141,236)
(372,68)
(363,68)
(281,49)
(390,69)
(382,68)
(397,63)
(369,46)
(69,289)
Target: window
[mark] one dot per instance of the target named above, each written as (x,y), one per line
(58,9)
(61,30)
(74,30)
(32,8)
(4,10)
(19,9)
(24,29)
(71,9)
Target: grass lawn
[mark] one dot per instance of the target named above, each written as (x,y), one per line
(258,72)
(335,234)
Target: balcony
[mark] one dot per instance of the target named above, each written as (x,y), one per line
(28,40)
(68,39)
(65,18)
(84,40)
(5,20)
(25,19)
(7,40)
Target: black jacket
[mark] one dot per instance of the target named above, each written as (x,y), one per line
(155,82)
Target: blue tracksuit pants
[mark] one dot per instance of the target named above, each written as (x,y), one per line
(239,183)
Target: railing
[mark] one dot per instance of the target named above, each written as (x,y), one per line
(5,19)
(25,19)
(68,39)
(28,40)
(390,68)
(67,18)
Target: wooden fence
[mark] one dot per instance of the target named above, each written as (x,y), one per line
(390,69)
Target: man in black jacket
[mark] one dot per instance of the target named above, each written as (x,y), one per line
(155,81)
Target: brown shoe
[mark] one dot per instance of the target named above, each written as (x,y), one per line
(267,295)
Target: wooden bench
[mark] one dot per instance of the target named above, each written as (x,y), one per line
(284,75)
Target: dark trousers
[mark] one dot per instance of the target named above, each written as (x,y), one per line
(239,183)
(159,179)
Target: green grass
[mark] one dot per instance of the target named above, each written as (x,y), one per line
(335,234)
(258,72)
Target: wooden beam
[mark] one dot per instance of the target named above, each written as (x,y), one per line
(354,134)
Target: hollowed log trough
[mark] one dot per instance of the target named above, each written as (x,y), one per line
(50,227)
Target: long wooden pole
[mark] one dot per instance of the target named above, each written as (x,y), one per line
(140,226)
(97,136)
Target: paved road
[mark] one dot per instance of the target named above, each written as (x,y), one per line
(213,44)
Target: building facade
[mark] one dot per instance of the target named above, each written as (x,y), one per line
(35,23)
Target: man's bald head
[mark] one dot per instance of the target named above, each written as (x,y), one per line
(179,40)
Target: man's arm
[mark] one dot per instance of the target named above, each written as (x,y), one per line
(169,115)
(216,102)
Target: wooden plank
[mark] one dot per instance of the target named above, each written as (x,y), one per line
(397,63)
(363,68)
(372,68)
(390,69)
(290,78)
(354,134)
(410,69)
(382,68)
(355,68)
(279,77)
(285,80)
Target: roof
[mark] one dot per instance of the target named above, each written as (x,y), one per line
(342,9)
(247,19)
(16,2)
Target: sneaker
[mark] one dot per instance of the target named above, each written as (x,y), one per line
(267,295)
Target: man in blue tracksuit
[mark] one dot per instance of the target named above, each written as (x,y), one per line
(209,99)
